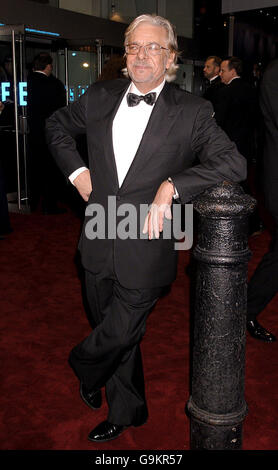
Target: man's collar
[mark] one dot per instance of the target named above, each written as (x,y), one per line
(157,90)
(213,78)
(233,79)
(40,71)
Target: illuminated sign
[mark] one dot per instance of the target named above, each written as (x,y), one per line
(6,92)
(48,33)
(77,91)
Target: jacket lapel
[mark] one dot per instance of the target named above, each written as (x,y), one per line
(111,104)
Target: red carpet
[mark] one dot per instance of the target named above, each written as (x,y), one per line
(42,318)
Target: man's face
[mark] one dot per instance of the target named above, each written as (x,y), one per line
(210,69)
(147,71)
(226,75)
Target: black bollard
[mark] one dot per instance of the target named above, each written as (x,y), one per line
(217,405)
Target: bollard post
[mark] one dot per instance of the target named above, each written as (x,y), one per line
(217,405)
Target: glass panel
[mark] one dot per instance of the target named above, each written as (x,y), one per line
(13,117)
(79,68)
(199,80)
(82,71)
(113,63)
(185,77)
(190,77)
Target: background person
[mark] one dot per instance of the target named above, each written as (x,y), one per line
(237,113)
(211,73)
(46,94)
(263,284)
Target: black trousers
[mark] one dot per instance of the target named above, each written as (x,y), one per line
(110,356)
(263,285)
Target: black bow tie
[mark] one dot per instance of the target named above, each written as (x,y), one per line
(133,100)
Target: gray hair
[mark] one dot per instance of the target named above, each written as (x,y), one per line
(172,42)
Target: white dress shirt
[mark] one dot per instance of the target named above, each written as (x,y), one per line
(213,78)
(128,128)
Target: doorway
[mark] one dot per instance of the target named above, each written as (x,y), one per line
(77,66)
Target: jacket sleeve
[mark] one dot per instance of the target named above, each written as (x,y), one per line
(219,159)
(62,128)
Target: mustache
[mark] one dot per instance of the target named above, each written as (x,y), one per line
(141,63)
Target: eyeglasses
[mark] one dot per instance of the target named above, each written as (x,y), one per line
(150,49)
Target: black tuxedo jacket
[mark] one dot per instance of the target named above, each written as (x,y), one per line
(236,111)
(212,92)
(269,107)
(181,126)
(46,94)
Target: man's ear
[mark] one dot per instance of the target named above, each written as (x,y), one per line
(48,69)
(170,59)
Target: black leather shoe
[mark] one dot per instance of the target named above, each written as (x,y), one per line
(92,398)
(106,431)
(258,332)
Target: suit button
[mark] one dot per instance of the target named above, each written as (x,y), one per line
(118,198)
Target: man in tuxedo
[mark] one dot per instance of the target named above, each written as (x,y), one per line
(237,113)
(237,106)
(46,94)
(211,72)
(263,284)
(143,137)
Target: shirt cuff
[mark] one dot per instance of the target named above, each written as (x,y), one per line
(76,173)
(176,194)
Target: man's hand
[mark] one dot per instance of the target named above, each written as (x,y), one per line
(83,184)
(160,208)
(2,106)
